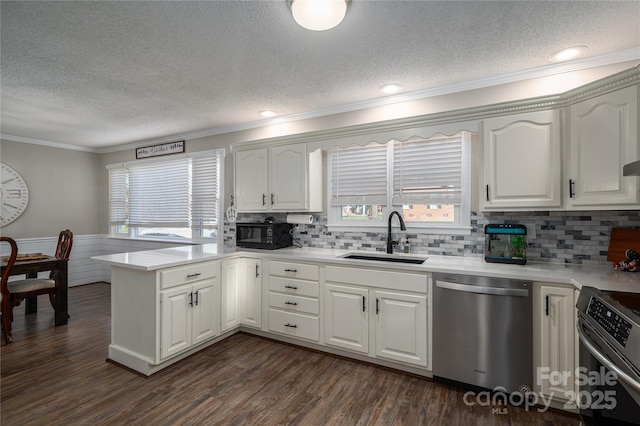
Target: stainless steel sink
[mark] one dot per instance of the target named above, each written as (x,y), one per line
(386,258)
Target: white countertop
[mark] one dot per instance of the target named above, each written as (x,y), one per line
(604,278)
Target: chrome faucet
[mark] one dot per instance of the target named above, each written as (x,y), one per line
(390,241)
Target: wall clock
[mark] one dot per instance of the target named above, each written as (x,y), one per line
(15,195)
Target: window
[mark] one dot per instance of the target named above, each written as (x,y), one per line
(427,180)
(177,199)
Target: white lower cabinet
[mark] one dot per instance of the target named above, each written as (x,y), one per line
(189,316)
(346,317)
(555,340)
(401,327)
(397,321)
(241,293)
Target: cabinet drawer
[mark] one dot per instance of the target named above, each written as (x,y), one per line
(296,325)
(189,273)
(294,303)
(291,286)
(294,270)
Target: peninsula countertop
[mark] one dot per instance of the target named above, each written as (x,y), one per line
(604,278)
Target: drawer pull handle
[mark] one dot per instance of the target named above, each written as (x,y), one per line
(290,303)
(197,274)
(196,301)
(292,287)
(291,325)
(291,270)
(364,303)
(191,299)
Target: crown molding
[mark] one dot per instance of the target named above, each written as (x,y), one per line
(50,144)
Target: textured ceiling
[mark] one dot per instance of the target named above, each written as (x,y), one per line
(98,74)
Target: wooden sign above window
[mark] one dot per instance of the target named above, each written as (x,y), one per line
(162,149)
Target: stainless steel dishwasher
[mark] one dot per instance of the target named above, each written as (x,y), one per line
(483,332)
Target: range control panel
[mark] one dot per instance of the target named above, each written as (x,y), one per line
(614,324)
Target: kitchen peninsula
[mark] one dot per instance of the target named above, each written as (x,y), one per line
(170,303)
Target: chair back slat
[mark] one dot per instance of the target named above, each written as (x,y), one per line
(65,241)
(63,250)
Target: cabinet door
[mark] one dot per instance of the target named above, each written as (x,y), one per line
(521,159)
(555,319)
(603,139)
(229,294)
(251,180)
(289,183)
(251,286)
(206,310)
(175,322)
(346,317)
(401,327)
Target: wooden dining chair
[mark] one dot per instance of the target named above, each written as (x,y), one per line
(5,299)
(31,287)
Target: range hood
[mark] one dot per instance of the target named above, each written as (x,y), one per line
(631,169)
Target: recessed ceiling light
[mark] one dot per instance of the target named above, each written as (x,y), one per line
(566,54)
(267,113)
(391,88)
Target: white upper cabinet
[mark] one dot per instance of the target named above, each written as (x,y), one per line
(603,138)
(251,180)
(521,157)
(279,178)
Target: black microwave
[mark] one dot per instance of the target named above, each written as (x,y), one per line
(269,236)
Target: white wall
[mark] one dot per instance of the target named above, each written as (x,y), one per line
(65,190)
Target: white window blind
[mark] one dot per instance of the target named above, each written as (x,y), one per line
(205,183)
(428,171)
(177,193)
(359,175)
(118,196)
(160,194)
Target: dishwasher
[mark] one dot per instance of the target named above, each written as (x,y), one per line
(483,332)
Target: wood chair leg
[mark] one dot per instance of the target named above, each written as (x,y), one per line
(52,299)
(6,321)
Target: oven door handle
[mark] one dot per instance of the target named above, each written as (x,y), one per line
(606,362)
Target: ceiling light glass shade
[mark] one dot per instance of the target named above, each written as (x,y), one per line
(267,113)
(318,15)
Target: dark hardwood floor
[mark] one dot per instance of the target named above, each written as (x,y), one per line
(58,376)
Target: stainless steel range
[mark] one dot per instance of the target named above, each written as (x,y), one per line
(609,331)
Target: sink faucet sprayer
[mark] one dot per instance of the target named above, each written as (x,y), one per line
(390,241)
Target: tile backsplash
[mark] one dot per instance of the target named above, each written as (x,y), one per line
(560,237)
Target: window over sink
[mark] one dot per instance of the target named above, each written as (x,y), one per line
(174,199)
(427,180)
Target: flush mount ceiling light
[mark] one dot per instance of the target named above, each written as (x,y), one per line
(391,88)
(318,15)
(566,54)
(267,113)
